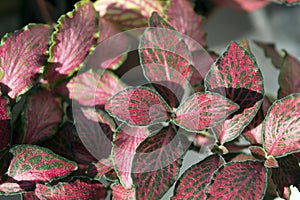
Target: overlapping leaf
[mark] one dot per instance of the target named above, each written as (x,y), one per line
(99,168)
(72,40)
(14,187)
(182,17)
(237,77)
(287,174)
(281,128)
(192,184)
(34,163)
(164,56)
(120,193)
(234,180)
(247,5)
(92,87)
(203,110)
(289,80)
(128,14)
(40,118)
(157,164)
(138,106)
(78,189)
(272,53)
(22,57)
(126,140)
(5,127)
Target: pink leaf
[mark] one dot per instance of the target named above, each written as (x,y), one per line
(120,193)
(258,152)
(128,14)
(100,168)
(164,56)
(5,127)
(157,164)
(253,132)
(15,187)
(281,127)
(41,116)
(192,184)
(126,140)
(94,87)
(289,76)
(78,189)
(183,18)
(72,41)
(138,106)
(203,110)
(34,163)
(236,76)
(22,58)
(247,5)
(234,180)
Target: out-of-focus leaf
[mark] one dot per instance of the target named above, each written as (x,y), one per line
(247,5)
(5,126)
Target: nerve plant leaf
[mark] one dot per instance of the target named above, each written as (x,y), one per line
(156,164)
(183,18)
(192,184)
(5,127)
(281,128)
(203,110)
(247,179)
(34,163)
(237,77)
(22,58)
(98,169)
(289,81)
(128,14)
(126,141)
(94,87)
(164,56)
(138,106)
(78,189)
(271,52)
(120,193)
(41,116)
(72,41)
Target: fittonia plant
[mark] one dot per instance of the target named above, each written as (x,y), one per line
(132,140)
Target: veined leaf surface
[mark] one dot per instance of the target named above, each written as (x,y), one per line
(203,110)
(100,168)
(246,179)
(22,58)
(120,193)
(72,41)
(78,189)
(164,55)
(128,14)
(281,128)
(34,163)
(192,184)
(138,106)
(126,140)
(41,117)
(156,164)
(237,77)
(5,127)
(183,18)
(94,87)
(289,80)
(13,187)
(253,132)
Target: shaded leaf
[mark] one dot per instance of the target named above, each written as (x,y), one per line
(22,58)
(128,14)
(247,5)
(34,163)
(72,41)
(192,184)
(289,80)
(164,56)
(94,87)
(258,152)
(120,193)
(237,77)
(78,189)
(98,169)
(29,196)
(156,164)
(246,179)
(242,157)
(126,141)
(5,159)
(281,127)
(40,118)
(138,106)
(182,17)
(271,162)
(203,110)
(5,126)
